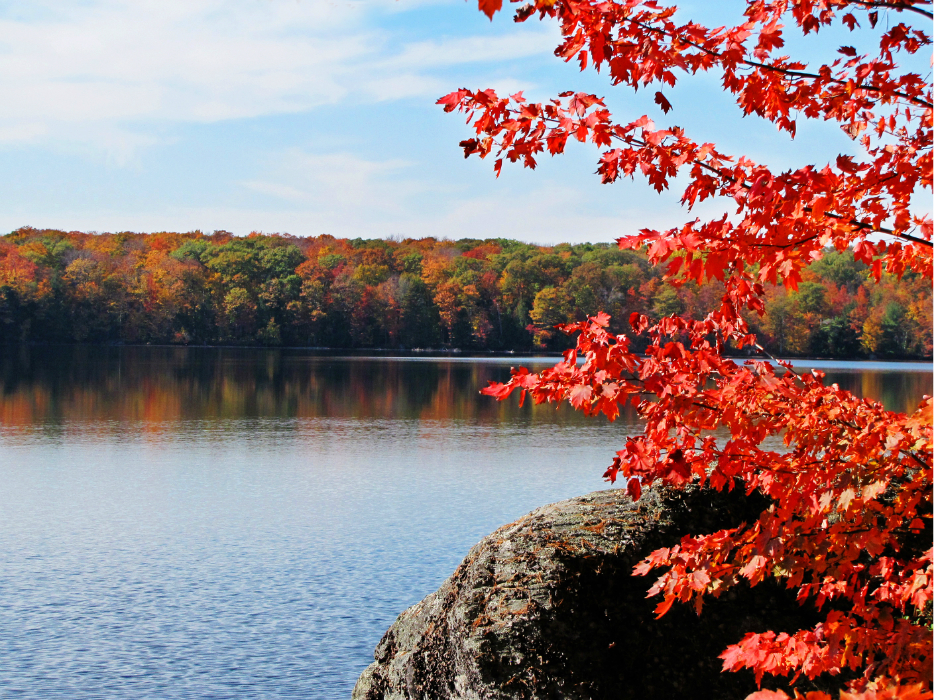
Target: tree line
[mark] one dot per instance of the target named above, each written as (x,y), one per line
(492,294)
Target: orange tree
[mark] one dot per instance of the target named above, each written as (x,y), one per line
(849,519)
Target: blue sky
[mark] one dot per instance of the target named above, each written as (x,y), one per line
(318,116)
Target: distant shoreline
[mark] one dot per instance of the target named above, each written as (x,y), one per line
(429,353)
(433,296)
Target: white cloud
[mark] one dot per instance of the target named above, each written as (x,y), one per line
(380,202)
(278,190)
(71,72)
(348,196)
(353,188)
(173,60)
(476,49)
(22,133)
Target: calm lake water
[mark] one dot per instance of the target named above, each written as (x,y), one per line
(222,523)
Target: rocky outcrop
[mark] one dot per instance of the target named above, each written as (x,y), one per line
(547,607)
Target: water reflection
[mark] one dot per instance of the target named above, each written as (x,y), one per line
(223,523)
(153,386)
(158,385)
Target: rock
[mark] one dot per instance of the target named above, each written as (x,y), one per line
(547,607)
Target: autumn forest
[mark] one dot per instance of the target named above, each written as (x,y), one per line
(492,294)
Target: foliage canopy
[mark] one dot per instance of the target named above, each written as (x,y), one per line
(494,294)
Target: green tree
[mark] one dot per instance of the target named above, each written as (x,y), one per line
(549,309)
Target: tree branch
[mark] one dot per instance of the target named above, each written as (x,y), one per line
(853,222)
(814,76)
(856,223)
(897,6)
(776,69)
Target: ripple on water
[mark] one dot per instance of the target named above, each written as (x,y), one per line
(176,525)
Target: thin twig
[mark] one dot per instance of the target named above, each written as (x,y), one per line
(765,66)
(897,6)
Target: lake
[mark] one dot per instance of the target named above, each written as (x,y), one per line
(238,523)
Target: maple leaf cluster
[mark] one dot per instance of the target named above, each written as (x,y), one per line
(849,483)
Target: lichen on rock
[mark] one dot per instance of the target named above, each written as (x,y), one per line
(547,607)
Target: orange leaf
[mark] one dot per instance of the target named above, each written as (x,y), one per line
(490,7)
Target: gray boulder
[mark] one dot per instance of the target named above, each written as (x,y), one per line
(547,607)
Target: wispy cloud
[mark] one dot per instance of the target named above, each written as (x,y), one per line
(71,72)
(345,195)
(353,187)
(474,49)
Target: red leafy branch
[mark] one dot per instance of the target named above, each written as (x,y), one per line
(848,482)
(797,213)
(847,495)
(782,68)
